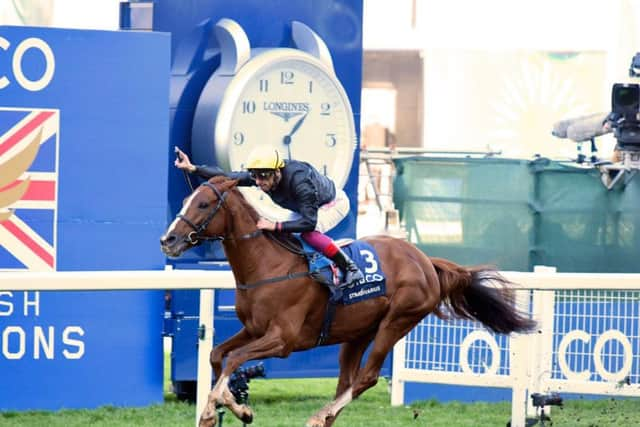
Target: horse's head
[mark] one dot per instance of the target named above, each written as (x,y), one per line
(200,218)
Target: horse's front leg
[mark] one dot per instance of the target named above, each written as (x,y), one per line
(209,415)
(221,395)
(272,344)
(220,352)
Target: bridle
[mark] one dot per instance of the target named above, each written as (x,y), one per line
(196,235)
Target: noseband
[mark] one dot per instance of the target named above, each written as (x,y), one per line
(196,235)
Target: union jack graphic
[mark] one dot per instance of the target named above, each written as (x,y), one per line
(28,188)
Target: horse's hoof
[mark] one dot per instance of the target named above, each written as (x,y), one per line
(247,418)
(208,421)
(315,422)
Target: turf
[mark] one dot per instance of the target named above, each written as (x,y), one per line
(286,403)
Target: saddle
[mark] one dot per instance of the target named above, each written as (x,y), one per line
(325,272)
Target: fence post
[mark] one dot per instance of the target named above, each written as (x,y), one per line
(519,347)
(205,344)
(543,306)
(397,383)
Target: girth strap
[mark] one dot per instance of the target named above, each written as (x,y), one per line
(289,276)
(334,297)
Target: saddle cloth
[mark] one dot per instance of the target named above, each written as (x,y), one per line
(366,258)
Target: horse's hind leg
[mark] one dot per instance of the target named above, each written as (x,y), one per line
(350,375)
(351,353)
(389,332)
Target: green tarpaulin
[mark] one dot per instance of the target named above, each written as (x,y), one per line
(516,214)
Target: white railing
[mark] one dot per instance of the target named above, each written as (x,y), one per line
(588,330)
(205,280)
(589,327)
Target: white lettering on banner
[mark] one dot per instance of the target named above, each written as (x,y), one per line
(14,342)
(6,335)
(6,307)
(35,303)
(17,64)
(71,342)
(562,355)
(4,45)
(49,342)
(39,341)
(466,345)
(584,375)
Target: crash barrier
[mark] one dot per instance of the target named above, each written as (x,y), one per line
(586,343)
(588,330)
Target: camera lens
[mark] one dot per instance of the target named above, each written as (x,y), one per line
(625,98)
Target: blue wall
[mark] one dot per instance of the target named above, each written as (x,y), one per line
(108,160)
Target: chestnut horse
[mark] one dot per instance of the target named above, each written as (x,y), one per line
(284,309)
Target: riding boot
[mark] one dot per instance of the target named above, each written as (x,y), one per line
(351,272)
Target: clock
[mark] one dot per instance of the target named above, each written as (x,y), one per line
(286,98)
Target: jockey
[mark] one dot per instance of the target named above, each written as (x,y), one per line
(296,186)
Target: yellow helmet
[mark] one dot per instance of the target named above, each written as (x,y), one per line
(265,157)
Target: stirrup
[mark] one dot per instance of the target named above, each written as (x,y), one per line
(353,276)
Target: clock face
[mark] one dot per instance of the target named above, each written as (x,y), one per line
(287,99)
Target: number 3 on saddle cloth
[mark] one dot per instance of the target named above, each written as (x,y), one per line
(326,273)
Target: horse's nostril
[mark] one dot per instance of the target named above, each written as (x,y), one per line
(167,240)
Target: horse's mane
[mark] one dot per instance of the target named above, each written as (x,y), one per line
(224,183)
(230,185)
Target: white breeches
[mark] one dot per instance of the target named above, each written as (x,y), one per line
(329,215)
(332,213)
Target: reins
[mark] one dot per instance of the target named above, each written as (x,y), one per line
(186,178)
(196,236)
(285,244)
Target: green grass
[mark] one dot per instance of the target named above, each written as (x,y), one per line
(286,403)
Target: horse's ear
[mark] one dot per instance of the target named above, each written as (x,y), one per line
(228,184)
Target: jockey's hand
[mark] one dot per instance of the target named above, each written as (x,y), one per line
(182,161)
(265,224)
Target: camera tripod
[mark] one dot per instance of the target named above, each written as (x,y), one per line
(542,418)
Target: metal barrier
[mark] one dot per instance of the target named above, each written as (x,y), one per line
(588,330)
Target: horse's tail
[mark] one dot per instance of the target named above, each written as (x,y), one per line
(481,293)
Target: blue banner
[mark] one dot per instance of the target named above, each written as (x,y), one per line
(84,125)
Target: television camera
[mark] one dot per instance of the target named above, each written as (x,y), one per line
(540,400)
(623,120)
(239,386)
(239,381)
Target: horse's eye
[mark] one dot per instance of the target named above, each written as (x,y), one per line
(203,205)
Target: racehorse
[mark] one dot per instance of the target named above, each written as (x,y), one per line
(282,308)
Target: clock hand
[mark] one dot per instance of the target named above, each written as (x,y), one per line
(287,138)
(297,125)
